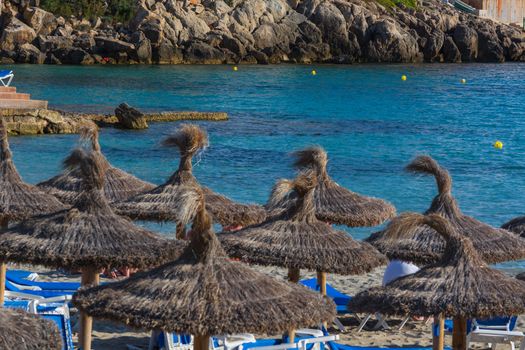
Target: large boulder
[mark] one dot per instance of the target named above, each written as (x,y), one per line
(43,22)
(489,48)
(130,118)
(388,42)
(143,47)
(16,33)
(450,51)
(28,53)
(53,43)
(112,46)
(329,19)
(199,52)
(466,40)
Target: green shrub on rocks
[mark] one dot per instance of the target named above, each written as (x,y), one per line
(116,10)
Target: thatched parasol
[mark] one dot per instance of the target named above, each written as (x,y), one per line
(516,225)
(22,331)
(89,236)
(296,239)
(205,293)
(422,246)
(18,200)
(333,203)
(118,184)
(460,285)
(157,204)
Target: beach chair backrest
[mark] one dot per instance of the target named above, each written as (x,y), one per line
(284,346)
(507,323)
(317,343)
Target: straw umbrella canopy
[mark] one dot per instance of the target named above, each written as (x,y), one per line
(204,293)
(422,246)
(158,204)
(516,225)
(89,236)
(333,203)
(460,285)
(118,184)
(18,200)
(23,331)
(296,239)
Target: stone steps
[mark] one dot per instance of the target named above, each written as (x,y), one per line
(14,96)
(12,100)
(22,104)
(7,89)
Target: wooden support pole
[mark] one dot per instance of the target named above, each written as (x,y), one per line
(294,275)
(90,277)
(291,336)
(459,334)
(3,266)
(201,342)
(438,341)
(321,281)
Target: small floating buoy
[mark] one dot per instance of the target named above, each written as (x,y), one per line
(235,68)
(314,72)
(498,144)
(463,81)
(404,77)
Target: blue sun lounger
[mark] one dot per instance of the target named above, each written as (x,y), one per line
(340,299)
(6,75)
(22,277)
(11,287)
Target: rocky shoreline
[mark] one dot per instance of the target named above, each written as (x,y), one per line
(258,31)
(44,121)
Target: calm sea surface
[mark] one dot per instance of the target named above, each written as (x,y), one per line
(370,122)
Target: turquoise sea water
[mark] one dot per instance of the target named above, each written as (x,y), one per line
(370,122)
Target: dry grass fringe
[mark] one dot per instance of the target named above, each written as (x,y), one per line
(23,331)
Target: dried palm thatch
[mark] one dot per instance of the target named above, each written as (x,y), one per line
(157,204)
(22,331)
(296,239)
(521,276)
(423,246)
(205,293)
(118,184)
(19,200)
(460,284)
(333,203)
(516,225)
(88,234)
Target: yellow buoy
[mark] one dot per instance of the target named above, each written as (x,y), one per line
(235,68)
(463,81)
(403,77)
(314,72)
(498,144)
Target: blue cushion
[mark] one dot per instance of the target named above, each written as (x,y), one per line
(20,277)
(5,72)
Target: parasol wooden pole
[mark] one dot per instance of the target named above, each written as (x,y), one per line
(201,342)
(459,334)
(291,336)
(294,275)
(90,277)
(3,266)
(438,342)
(321,282)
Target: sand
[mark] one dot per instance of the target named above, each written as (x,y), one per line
(112,336)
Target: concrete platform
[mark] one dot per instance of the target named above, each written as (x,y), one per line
(12,100)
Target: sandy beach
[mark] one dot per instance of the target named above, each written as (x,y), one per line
(114,336)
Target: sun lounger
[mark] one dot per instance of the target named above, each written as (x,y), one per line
(24,278)
(13,287)
(6,75)
(54,309)
(340,299)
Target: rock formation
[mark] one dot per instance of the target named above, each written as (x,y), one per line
(259,31)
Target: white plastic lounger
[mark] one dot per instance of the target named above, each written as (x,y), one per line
(6,75)
(499,330)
